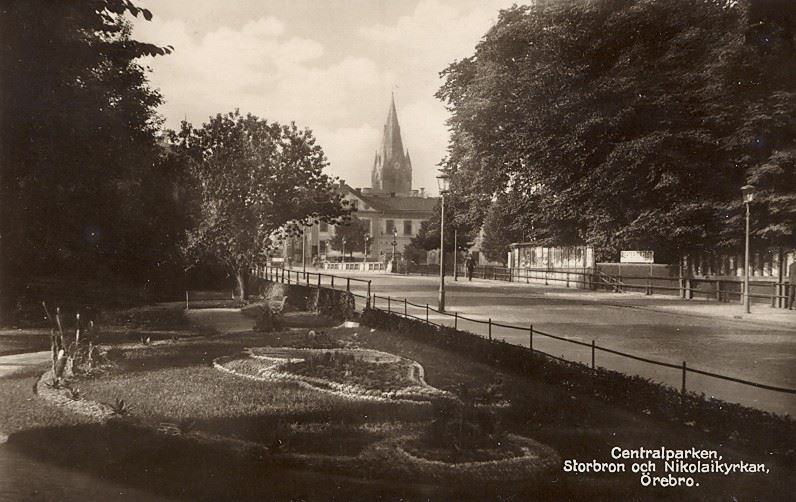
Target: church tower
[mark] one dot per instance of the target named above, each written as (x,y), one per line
(392,168)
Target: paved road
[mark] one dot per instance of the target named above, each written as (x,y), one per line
(662,328)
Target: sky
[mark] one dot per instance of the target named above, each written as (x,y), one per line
(328,65)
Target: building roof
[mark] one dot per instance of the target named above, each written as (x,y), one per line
(402,203)
(394,202)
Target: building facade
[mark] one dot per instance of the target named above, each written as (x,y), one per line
(392,210)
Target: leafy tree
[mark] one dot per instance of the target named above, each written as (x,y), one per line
(427,237)
(80,163)
(628,123)
(257,181)
(353,231)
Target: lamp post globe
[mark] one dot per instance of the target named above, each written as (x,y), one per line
(443,182)
(748,192)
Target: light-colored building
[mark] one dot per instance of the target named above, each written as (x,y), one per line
(391,208)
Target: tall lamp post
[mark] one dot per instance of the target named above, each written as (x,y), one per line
(455,254)
(344,241)
(303,250)
(394,243)
(367,243)
(443,180)
(748,192)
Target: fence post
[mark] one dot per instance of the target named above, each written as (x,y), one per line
(718,290)
(187,306)
(743,292)
(406,309)
(592,354)
(332,282)
(682,390)
(490,329)
(389,305)
(319,280)
(348,284)
(773,294)
(426,313)
(456,320)
(530,337)
(368,289)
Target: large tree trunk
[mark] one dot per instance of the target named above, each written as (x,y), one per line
(241,277)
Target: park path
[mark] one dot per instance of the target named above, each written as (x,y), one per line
(16,362)
(222,320)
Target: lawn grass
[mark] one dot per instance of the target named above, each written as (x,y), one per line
(175,383)
(21,409)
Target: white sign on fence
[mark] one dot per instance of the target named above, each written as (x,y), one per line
(637,257)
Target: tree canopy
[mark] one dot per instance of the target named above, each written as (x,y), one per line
(628,124)
(83,186)
(256,182)
(354,231)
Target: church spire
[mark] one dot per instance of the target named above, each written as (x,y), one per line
(392,169)
(392,145)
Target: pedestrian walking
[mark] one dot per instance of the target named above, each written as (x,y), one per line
(791,284)
(469,264)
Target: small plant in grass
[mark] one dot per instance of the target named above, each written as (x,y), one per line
(74,393)
(121,408)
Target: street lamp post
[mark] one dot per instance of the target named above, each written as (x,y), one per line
(748,192)
(367,243)
(303,251)
(455,254)
(394,243)
(344,241)
(443,179)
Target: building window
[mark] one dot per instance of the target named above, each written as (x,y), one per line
(354,204)
(407,227)
(390,226)
(322,245)
(368,225)
(324,226)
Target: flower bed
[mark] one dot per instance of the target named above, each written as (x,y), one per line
(350,373)
(345,367)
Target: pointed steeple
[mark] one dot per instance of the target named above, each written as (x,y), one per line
(392,145)
(392,170)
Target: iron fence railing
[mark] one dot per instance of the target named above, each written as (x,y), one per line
(720,289)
